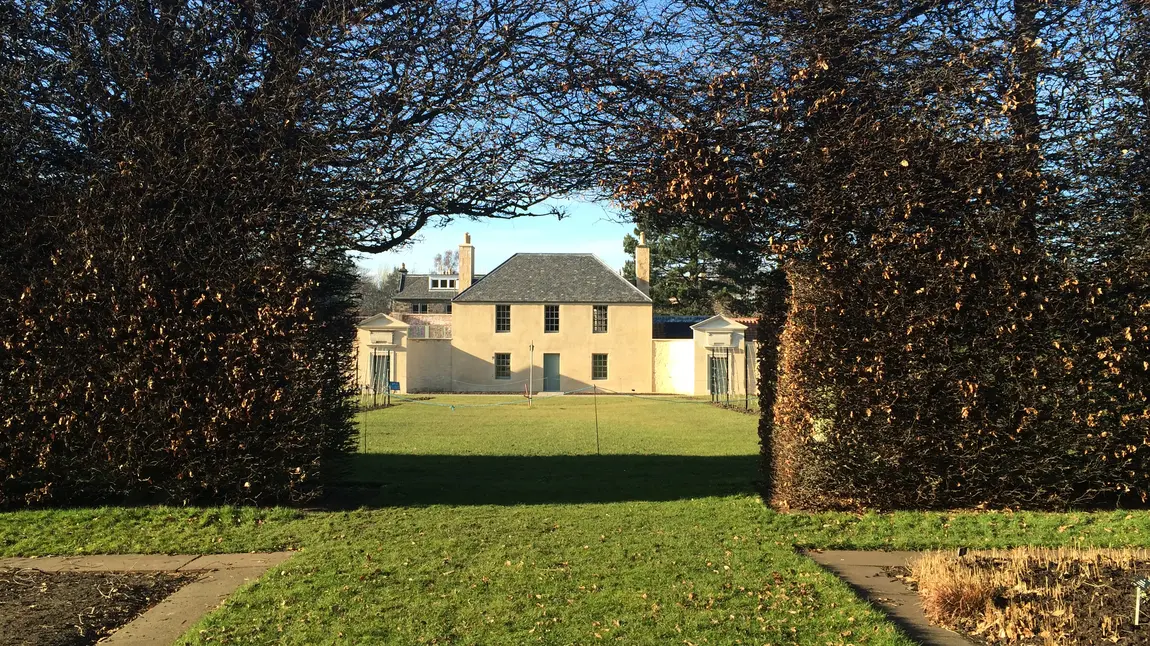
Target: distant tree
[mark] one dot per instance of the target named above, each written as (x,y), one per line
(376,290)
(447,262)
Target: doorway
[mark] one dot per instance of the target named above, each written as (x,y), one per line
(718,370)
(551,373)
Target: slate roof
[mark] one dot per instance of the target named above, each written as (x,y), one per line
(416,287)
(674,327)
(552,278)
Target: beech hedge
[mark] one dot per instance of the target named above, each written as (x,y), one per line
(175,317)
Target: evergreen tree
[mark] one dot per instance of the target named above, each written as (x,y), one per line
(693,273)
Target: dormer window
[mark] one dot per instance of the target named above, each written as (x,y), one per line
(444,283)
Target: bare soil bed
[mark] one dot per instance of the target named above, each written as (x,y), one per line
(1034,596)
(76,608)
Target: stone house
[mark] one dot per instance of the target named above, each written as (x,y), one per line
(557,322)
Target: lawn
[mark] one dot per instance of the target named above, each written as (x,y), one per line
(501,524)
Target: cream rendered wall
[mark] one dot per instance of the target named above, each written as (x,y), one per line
(627,344)
(428,366)
(753,357)
(674,366)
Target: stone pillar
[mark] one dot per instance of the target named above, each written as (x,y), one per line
(466,263)
(643,265)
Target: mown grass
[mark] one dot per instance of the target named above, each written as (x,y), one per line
(501,525)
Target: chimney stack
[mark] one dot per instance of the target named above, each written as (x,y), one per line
(466,263)
(643,265)
(402,275)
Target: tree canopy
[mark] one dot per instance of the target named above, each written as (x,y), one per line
(956,192)
(181,182)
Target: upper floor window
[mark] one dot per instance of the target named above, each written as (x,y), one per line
(550,318)
(419,308)
(502,318)
(599,319)
(444,283)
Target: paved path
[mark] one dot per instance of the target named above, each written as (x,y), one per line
(220,575)
(863,571)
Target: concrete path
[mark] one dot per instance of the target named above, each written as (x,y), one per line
(863,571)
(219,576)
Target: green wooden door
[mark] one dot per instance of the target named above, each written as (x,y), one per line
(551,372)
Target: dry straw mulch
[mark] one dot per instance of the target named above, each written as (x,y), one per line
(1034,595)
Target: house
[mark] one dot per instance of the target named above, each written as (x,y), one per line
(551,322)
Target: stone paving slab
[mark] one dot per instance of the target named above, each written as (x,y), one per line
(220,576)
(227,561)
(863,570)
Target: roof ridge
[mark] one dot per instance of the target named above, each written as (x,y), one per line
(553,277)
(475,282)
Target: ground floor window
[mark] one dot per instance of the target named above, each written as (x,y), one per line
(503,365)
(598,366)
(419,308)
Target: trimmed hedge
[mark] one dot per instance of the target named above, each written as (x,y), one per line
(940,379)
(175,320)
(959,199)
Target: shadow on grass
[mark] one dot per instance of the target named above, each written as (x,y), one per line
(394,480)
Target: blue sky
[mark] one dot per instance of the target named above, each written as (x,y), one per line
(589,227)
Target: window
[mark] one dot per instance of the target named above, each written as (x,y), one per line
(598,367)
(448,307)
(443,283)
(550,318)
(503,365)
(502,318)
(419,308)
(599,319)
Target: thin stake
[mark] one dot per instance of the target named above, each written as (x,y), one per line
(359,398)
(595,398)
